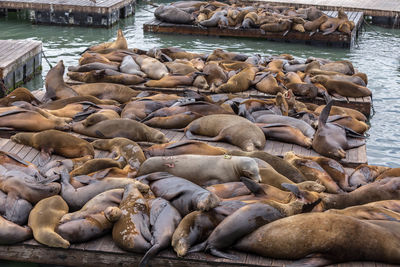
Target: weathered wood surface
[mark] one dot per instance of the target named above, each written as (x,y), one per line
(15,53)
(334,39)
(384,8)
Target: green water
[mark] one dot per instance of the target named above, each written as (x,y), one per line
(377,54)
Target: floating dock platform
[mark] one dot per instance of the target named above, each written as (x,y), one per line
(383,12)
(336,39)
(98,13)
(20,60)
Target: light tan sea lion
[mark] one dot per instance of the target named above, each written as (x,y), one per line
(337,237)
(215,75)
(110,91)
(282,25)
(119,43)
(53,141)
(336,110)
(269,85)
(101,115)
(11,233)
(239,82)
(236,130)
(90,58)
(180,68)
(183,147)
(45,217)
(56,88)
(350,123)
(394,172)
(192,167)
(154,69)
(19,94)
(130,129)
(285,133)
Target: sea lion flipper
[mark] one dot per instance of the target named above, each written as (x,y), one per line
(323,117)
(254,187)
(313,261)
(198,248)
(82,115)
(221,254)
(182,143)
(191,136)
(152,252)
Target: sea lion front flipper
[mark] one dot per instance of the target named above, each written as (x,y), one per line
(313,261)
(191,136)
(221,254)
(254,187)
(198,248)
(82,115)
(44,156)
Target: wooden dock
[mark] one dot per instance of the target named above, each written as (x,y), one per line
(20,60)
(335,39)
(383,12)
(98,13)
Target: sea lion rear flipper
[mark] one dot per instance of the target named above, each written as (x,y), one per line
(326,97)
(221,254)
(82,115)
(254,187)
(182,143)
(323,117)
(198,248)
(313,261)
(351,133)
(191,136)
(84,179)
(151,253)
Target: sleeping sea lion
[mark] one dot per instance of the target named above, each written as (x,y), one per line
(94,165)
(19,94)
(172,14)
(269,85)
(56,88)
(11,233)
(105,76)
(58,104)
(45,217)
(285,133)
(101,115)
(239,82)
(92,66)
(109,91)
(153,68)
(365,174)
(119,43)
(183,147)
(215,75)
(304,127)
(343,88)
(367,212)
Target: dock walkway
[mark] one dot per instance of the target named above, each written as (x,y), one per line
(335,39)
(99,13)
(20,60)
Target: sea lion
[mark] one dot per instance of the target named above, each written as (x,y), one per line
(330,140)
(105,76)
(178,68)
(90,227)
(219,169)
(45,217)
(367,212)
(229,190)
(285,133)
(110,91)
(154,69)
(313,171)
(215,75)
(343,66)
(130,129)
(336,110)
(269,85)
(164,219)
(219,54)
(173,81)
(282,25)
(77,198)
(183,147)
(88,58)
(184,195)
(173,14)
(343,88)
(129,66)
(304,127)
(313,26)
(101,115)
(298,87)
(53,141)
(234,129)
(56,88)
(239,82)
(351,239)
(95,165)
(92,66)
(129,150)
(365,174)
(19,94)
(59,104)
(349,123)
(131,232)
(394,172)
(140,109)
(119,43)
(11,233)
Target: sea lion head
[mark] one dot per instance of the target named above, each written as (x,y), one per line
(60,67)
(249,168)
(160,138)
(22,138)
(207,201)
(180,246)
(319,79)
(112,213)
(311,186)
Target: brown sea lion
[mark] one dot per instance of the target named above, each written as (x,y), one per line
(130,129)
(164,219)
(215,75)
(285,133)
(298,87)
(239,82)
(269,85)
(367,212)
(11,233)
(349,123)
(183,147)
(219,54)
(92,66)
(138,110)
(393,172)
(119,43)
(101,115)
(56,88)
(154,69)
(282,25)
(131,232)
(110,91)
(343,88)
(58,104)
(19,94)
(180,68)
(45,217)
(184,195)
(365,174)
(313,26)
(313,171)
(53,141)
(129,150)
(177,121)
(95,165)
(178,53)
(337,237)
(336,110)
(105,76)
(342,66)
(330,140)
(234,129)
(192,168)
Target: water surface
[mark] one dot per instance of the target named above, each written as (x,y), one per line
(377,54)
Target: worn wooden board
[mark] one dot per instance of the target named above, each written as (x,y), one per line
(334,39)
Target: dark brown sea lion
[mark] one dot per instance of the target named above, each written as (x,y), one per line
(183,147)
(239,82)
(330,140)
(19,94)
(109,91)
(234,129)
(280,165)
(219,169)
(365,174)
(95,165)
(164,219)
(138,110)
(298,87)
(219,54)
(313,171)
(45,217)
(56,88)
(282,25)
(184,195)
(237,225)
(105,76)
(337,237)
(11,233)
(131,232)
(343,88)
(177,121)
(129,150)
(285,133)
(53,141)
(303,126)
(130,129)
